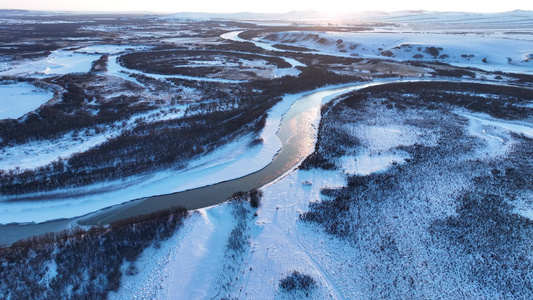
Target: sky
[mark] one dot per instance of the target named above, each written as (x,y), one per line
(270,6)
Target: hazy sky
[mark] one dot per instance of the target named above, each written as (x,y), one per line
(265,6)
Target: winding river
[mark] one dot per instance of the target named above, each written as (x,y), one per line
(297,133)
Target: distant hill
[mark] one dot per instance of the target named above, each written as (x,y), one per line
(516,17)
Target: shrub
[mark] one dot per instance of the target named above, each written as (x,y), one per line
(255,198)
(432,51)
(297,281)
(387,53)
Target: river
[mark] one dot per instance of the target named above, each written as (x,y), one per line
(297,133)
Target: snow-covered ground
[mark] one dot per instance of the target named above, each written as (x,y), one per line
(518,19)
(485,120)
(461,49)
(59,62)
(20,98)
(189,264)
(201,242)
(494,132)
(364,163)
(485,51)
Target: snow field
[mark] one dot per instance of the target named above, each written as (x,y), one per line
(365,164)
(20,98)
(508,20)
(494,132)
(190,260)
(482,119)
(59,62)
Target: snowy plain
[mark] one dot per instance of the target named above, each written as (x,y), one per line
(59,62)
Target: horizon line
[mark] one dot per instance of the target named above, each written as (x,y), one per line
(253,12)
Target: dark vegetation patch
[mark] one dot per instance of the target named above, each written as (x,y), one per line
(100,65)
(238,239)
(491,241)
(317,159)
(291,48)
(505,102)
(36,40)
(179,62)
(456,72)
(255,198)
(445,70)
(397,220)
(387,53)
(433,51)
(522,78)
(297,281)
(87,263)
(236,247)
